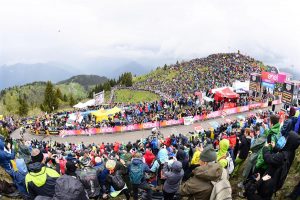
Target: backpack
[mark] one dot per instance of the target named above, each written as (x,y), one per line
(68,187)
(117,182)
(221,189)
(136,173)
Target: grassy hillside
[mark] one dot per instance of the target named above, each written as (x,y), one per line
(86,81)
(134,96)
(34,95)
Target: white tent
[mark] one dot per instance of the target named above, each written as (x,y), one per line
(241,86)
(90,102)
(79,105)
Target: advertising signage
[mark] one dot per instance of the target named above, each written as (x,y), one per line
(269,77)
(287,94)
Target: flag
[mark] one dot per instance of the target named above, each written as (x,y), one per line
(99,98)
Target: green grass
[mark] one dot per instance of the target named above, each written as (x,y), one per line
(34,95)
(134,96)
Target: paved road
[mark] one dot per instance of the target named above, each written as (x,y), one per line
(131,136)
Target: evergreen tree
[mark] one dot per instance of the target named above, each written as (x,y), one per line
(72,100)
(50,99)
(65,98)
(23,107)
(165,67)
(59,94)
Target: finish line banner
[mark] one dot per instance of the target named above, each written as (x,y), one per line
(149,125)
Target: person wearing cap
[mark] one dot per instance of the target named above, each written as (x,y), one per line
(40,180)
(199,186)
(88,177)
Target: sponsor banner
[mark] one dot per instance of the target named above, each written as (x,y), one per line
(270,77)
(255,105)
(172,122)
(242,109)
(149,125)
(198,117)
(268,85)
(287,94)
(214,114)
(188,120)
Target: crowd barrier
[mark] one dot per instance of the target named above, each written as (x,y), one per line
(150,125)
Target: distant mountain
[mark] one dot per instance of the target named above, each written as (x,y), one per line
(113,68)
(19,74)
(85,80)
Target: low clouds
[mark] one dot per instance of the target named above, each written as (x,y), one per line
(149,32)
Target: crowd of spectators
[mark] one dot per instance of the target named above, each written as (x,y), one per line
(179,166)
(216,70)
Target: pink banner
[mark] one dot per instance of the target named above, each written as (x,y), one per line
(230,111)
(214,114)
(149,125)
(273,78)
(255,105)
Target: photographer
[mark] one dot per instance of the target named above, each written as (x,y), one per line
(6,155)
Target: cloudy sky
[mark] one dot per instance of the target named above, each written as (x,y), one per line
(149,32)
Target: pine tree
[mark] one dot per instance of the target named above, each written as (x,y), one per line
(50,99)
(23,107)
(65,98)
(59,94)
(72,100)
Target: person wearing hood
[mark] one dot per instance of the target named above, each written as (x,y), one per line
(6,155)
(289,124)
(149,157)
(271,136)
(137,160)
(278,160)
(40,180)
(173,174)
(222,153)
(199,186)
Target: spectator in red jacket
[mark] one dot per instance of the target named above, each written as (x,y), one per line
(149,157)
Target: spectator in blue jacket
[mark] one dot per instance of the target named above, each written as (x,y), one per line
(6,155)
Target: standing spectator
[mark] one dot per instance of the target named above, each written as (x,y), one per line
(199,186)
(173,173)
(137,171)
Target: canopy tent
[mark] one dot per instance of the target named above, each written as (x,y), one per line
(102,114)
(90,102)
(79,105)
(225,93)
(241,87)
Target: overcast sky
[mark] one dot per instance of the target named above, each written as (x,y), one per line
(153,31)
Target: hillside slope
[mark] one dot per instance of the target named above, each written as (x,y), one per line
(216,70)
(34,95)
(85,80)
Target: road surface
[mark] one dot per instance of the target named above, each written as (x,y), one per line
(133,136)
